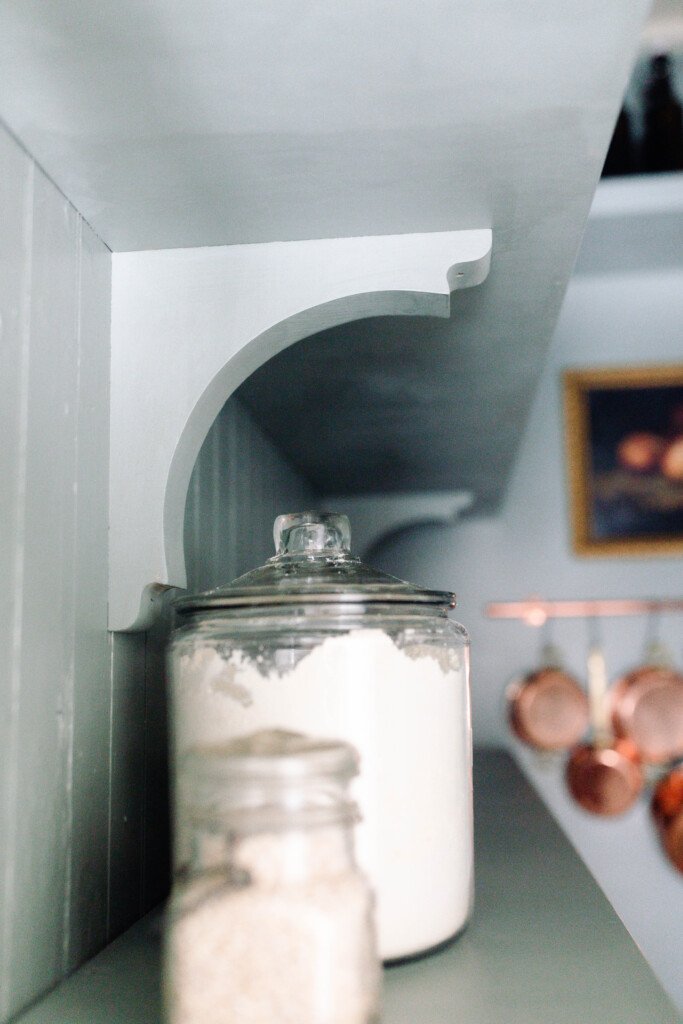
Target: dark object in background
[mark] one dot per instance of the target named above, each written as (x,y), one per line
(648,134)
(621,158)
(662,143)
(667,809)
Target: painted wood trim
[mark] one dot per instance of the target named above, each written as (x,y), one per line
(16,209)
(55,677)
(92,682)
(188,326)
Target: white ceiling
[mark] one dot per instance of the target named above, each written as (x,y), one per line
(203,122)
(663,32)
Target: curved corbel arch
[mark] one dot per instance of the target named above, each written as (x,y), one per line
(257,352)
(188,326)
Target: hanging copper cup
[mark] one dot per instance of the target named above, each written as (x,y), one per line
(667,810)
(605,780)
(604,776)
(547,708)
(647,708)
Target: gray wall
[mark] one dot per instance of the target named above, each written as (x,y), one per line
(240,484)
(55,670)
(83,816)
(610,317)
(83,780)
(607,319)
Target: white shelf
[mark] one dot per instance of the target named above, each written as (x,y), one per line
(544,943)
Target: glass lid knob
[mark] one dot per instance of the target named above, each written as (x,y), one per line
(312,533)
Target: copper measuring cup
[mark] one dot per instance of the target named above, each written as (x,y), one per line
(647,708)
(667,810)
(605,776)
(605,780)
(547,708)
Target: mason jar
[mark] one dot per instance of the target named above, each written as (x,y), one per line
(271,920)
(317,642)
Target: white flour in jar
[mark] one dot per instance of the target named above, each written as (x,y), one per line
(407,713)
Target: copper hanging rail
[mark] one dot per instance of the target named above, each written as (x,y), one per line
(535,612)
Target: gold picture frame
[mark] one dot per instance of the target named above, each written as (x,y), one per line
(624,451)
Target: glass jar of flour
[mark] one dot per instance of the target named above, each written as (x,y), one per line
(316,642)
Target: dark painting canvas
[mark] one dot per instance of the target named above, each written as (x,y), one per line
(625,450)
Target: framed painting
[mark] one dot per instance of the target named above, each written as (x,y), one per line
(624,447)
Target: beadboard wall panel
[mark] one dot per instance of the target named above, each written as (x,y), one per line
(16,193)
(240,483)
(139,860)
(44,721)
(155,865)
(56,684)
(84,847)
(126,800)
(92,682)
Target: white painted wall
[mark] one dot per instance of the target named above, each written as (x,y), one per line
(610,317)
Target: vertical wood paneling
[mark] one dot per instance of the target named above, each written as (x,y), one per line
(43,821)
(127,780)
(91,661)
(239,484)
(226,506)
(83,715)
(16,194)
(139,800)
(54,675)
(156,837)
(214,527)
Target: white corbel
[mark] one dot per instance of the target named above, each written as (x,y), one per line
(189,325)
(375,517)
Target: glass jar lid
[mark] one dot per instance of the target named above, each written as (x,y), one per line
(272,754)
(313,564)
(270,779)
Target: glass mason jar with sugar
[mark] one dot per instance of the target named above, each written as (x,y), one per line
(316,641)
(271,920)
